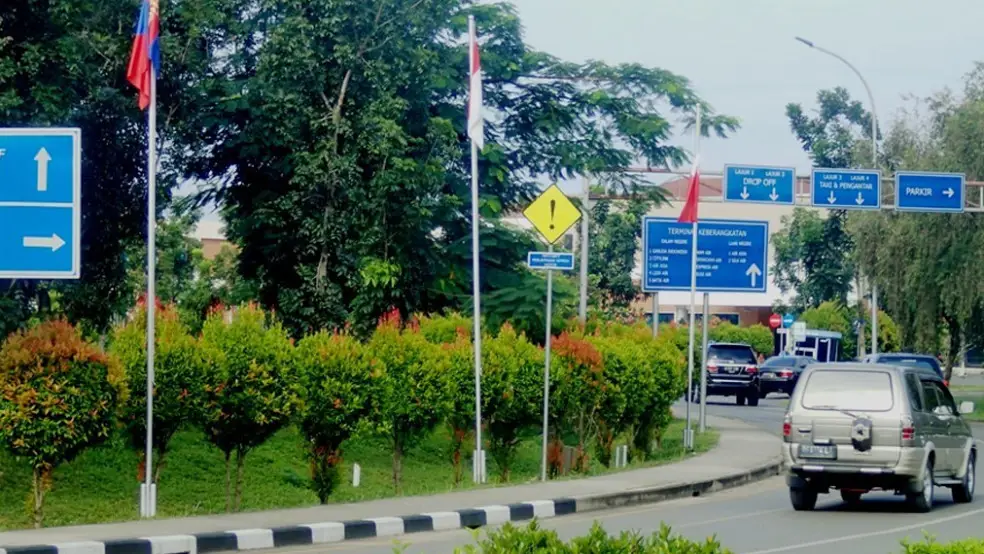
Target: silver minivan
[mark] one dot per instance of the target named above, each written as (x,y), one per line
(859,428)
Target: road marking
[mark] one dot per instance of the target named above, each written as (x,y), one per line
(857,536)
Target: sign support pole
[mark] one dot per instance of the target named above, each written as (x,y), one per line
(478,459)
(546,374)
(582,309)
(702,426)
(655,314)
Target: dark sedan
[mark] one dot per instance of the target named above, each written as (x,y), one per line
(780,373)
(922,362)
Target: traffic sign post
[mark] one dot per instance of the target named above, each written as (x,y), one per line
(759,185)
(846,189)
(733,255)
(929,192)
(40,203)
(562,261)
(788,320)
(552,214)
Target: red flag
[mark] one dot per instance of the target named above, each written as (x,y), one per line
(145,54)
(689,213)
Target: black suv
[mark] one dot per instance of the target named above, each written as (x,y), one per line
(733,371)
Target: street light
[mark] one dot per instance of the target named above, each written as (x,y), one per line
(874,165)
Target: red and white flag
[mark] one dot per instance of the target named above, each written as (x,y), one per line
(689,213)
(476,124)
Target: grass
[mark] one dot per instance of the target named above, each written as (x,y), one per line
(102,484)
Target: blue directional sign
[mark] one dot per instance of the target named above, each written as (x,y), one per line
(929,192)
(550,260)
(40,197)
(846,189)
(788,320)
(760,185)
(732,256)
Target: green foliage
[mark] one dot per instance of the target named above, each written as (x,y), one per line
(512,393)
(58,396)
(523,305)
(333,383)
(631,384)
(409,389)
(813,257)
(838,135)
(833,316)
(217,284)
(614,234)
(181,368)
(444,329)
(578,385)
(929,545)
(251,392)
(459,353)
(533,539)
(758,336)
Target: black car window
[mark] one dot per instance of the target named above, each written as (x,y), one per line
(947,399)
(921,363)
(731,354)
(932,396)
(912,388)
(784,361)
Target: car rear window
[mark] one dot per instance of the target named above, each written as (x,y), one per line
(910,362)
(731,354)
(869,391)
(780,362)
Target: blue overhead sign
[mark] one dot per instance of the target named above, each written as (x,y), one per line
(858,189)
(929,192)
(40,199)
(550,260)
(760,185)
(732,256)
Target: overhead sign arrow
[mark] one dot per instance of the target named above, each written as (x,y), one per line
(775,195)
(859,200)
(831,198)
(42,157)
(54,242)
(744,193)
(949,192)
(753,271)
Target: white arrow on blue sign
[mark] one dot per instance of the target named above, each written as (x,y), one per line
(731,257)
(550,260)
(917,191)
(846,189)
(40,200)
(759,185)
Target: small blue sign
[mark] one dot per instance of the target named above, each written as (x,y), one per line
(929,192)
(846,189)
(788,320)
(40,200)
(760,185)
(562,261)
(732,256)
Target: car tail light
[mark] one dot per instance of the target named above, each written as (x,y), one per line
(751,370)
(908,429)
(785,373)
(712,369)
(787,427)
(946,383)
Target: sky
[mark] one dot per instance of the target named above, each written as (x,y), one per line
(741,56)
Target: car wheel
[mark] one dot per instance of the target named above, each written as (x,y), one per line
(852,498)
(753,399)
(964,492)
(921,501)
(803,500)
(740,399)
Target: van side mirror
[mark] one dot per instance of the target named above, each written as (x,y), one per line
(966,407)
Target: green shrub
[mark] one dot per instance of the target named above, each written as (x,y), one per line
(512,392)
(251,393)
(577,382)
(58,396)
(333,374)
(181,364)
(533,539)
(444,329)
(625,375)
(409,389)
(930,546)
(460,357)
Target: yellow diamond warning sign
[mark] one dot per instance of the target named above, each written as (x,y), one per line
(552,214)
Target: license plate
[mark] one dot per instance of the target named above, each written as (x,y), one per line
(818,451)
(768,376)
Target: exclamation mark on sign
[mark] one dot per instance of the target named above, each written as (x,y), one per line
(553,208)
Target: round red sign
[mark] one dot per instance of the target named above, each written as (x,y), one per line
(775,320)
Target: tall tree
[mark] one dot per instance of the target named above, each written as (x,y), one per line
(342,140)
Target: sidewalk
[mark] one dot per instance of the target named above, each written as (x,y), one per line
(742,449)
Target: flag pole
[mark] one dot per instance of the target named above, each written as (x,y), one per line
(478,459)
(148,492)
(688,434)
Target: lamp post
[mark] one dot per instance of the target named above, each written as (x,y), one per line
(874,165)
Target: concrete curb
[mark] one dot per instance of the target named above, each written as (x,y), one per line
(335,532)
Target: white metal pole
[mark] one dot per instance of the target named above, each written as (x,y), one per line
(655,314)
(478,459)
(702,425)
(582,310)
(546,374)
(148,496)
(688,433)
